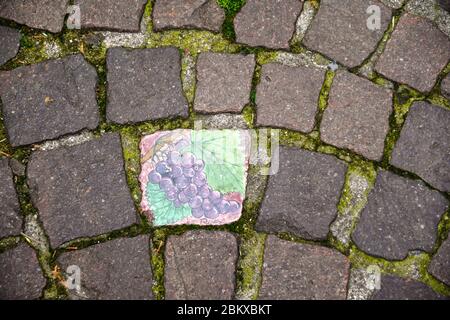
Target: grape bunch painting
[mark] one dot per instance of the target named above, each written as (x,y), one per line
(194,176)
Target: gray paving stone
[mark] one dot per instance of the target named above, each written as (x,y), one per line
(49,99)
(340,30)
(401,215)
(287,97)
(224,82)
(267,23)
(357,116)
(152,89)
(424,145)
(201,14)
(10,43)
(396,288)
(445,87)
(10,221)
(297,271)
(440,264)
(20,277)
(415,63)
(302,197)
(41,14)
(81,191)
(200,265)
(124,15)
(115,270)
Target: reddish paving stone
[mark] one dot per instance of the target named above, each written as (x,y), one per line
(440,264)
(357,116)
(224,82)
(297,271)
(302,197)
(49,99)
(115,270)
(200,265)
(124,15)
(339,30)
(21,277)
(424,145)
(203,14)
(10,43)
(81,191)
(287,97)
(415,63)
(152,89)
(401,215)
(445,87)
(10,221)
(41,14)
(267,23)
(396,288)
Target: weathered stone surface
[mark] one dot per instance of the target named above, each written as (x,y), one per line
(396,288)
(152,89)
(224,82)
(81,191)
(124,15)
(424,145)
(201,14)
(200,265)
(302,197)
(415,63)
(440,264)
(294,271)
(10,221)
(49,99)
(445,87)
(357,116)
(340,30)
(401,215)
(267,23)
(444,4)
(115,270)
(287,97)
(10,43)
(21,277)
(41,14)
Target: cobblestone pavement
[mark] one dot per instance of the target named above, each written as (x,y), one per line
(359,208)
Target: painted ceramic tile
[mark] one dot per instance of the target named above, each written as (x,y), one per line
(194,176)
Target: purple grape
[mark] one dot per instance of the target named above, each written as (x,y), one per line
(199,179)
(177,171)
(165,184)
(204,191)
(207,205)
(197,213)
(234,206)
(171,195)
(181,182)
(188,172)
(154,177)
(191,191)
(162,168)
(215,197)
(181,144)
(212,214)
(174,158)
(223,207)
(188,159)
(177,203)
(199,165)
(196,202)
(183,198)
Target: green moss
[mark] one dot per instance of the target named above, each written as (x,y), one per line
(264,57)
(9,243)
(297,139)
(248,114)
(231,8)
(188,75)
(157,260)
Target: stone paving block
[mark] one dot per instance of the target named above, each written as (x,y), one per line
(152,89)
(287,97)
(297,271)
(124,15)
(201,14)
(10,221)
(415,63)
(21,277)
(357,116)
(115,270)
(445,87)
(267,23)
(440,264)
(396,288)
(81,191)
(10,43)
(340,31)
(424,145)
(401,215)
(224,82)
(302,197)
(49,99)
(40,14)
(200,265)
